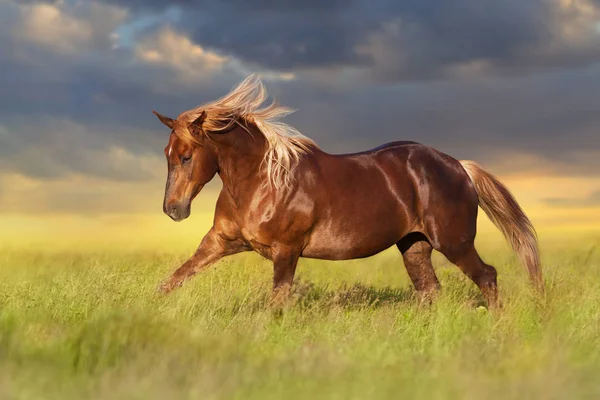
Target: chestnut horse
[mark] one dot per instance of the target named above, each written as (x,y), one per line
(285,198)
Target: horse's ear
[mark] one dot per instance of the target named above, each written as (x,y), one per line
(165,120)
(200,120)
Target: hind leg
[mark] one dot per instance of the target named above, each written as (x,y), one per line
(416,252)
(482,274)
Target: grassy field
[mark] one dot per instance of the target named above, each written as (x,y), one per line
(89,324)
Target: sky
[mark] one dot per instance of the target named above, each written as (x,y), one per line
(513,84)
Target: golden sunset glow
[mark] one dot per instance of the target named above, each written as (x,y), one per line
(151,228)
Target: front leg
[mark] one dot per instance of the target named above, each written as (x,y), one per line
(213,247)
(285,259)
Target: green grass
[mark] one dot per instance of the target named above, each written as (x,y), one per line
(90,325)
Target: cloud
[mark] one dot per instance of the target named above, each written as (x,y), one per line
(53,149)
(591,200)
(170,48)
(466,38)
(395,41)
(68,29)
(45,24)
(549,123)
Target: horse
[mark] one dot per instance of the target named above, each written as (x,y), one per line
(285,198)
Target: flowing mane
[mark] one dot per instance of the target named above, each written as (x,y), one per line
(243,104)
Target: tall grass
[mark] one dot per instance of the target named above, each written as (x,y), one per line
(90,324)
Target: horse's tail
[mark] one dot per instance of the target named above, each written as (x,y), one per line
(504,211)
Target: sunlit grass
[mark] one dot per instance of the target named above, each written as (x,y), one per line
(90,324)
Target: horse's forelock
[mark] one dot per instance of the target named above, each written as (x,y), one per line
(181,128)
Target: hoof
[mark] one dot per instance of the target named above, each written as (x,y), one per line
(167,287)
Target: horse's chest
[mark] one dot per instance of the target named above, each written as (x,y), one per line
(261,248)
(262,233)
(260,242)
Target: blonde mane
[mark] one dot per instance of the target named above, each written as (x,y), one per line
(285,143)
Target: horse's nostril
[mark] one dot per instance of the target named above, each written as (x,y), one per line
(177,212)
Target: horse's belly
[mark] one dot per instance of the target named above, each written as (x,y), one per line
(345,241)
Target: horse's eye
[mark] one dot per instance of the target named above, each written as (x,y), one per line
(185,160)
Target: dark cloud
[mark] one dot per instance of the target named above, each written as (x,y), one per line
(394,41)
(27,2)
(275,34)
(591,200)
(313,6)
(48,148)
(554,119)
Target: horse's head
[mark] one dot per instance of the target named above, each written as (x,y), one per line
(192,163)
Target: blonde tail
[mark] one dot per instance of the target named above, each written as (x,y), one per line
(504,211)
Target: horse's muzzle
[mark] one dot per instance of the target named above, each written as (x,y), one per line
(177,212)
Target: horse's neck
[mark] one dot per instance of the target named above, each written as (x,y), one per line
(240,160)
